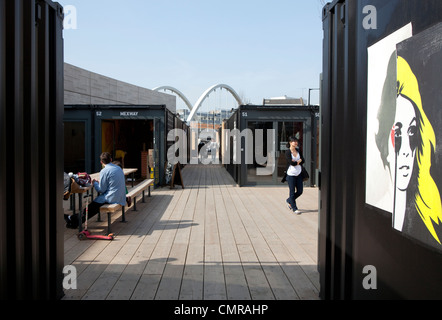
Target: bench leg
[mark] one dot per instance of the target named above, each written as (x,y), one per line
(80,222)
(80,202)
(80,216)
(135,204)
(80,212)
(149,192)
(109,231)
(143,198)
(123,216)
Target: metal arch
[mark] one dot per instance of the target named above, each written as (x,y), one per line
(207,93)
(178,92)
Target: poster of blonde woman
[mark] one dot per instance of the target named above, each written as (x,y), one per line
(381,87)
(406,139)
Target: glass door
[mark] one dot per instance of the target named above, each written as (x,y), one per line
(268,137)
(287,129)
(260,168)
(75,146)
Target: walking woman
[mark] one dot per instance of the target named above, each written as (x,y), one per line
(294,178)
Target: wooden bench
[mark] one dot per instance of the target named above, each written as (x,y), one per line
(140,189)
(133,193)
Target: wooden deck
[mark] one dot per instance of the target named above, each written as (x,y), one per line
(209,241)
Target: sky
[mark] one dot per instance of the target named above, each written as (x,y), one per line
(260,48)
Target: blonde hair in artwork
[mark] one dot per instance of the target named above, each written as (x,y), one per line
(427,197)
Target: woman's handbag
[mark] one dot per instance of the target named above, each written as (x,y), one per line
(284,177)
(304,174)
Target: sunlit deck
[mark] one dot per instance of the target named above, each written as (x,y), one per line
(210,240)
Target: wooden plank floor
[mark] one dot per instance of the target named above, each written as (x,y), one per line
(209,241)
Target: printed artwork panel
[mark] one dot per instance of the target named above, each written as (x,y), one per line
(404,112)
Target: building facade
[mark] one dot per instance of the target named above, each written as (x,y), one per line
(83,87)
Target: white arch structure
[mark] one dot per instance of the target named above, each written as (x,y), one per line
(200,101)
(194,109)
(178,92)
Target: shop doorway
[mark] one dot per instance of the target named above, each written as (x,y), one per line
(130,142)
(283,130)
(75,146)
(287,129)
(252,168)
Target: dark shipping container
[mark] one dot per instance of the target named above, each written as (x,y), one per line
(31,149)
(286,121)
(134,128)
(379,57)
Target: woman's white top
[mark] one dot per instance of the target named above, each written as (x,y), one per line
(295,170)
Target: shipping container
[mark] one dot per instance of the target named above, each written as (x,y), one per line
(31,149)
(135,135)
(380,227)
(247,164)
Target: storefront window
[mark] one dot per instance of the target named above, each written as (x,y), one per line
(252,176)
(284,129)
(74,146)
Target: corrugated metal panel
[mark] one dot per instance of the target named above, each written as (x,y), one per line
(31,133)
(3,250)
(353,234)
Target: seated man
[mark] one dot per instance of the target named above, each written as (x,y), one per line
(112,189)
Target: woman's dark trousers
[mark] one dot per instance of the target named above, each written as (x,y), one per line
(296,186)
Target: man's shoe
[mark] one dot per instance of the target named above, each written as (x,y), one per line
(298,212)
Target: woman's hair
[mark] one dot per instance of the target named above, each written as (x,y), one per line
(427,197)
(387,111)
(292,139)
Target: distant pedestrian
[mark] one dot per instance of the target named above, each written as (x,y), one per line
(200,146)
(294,178)
(213,150)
